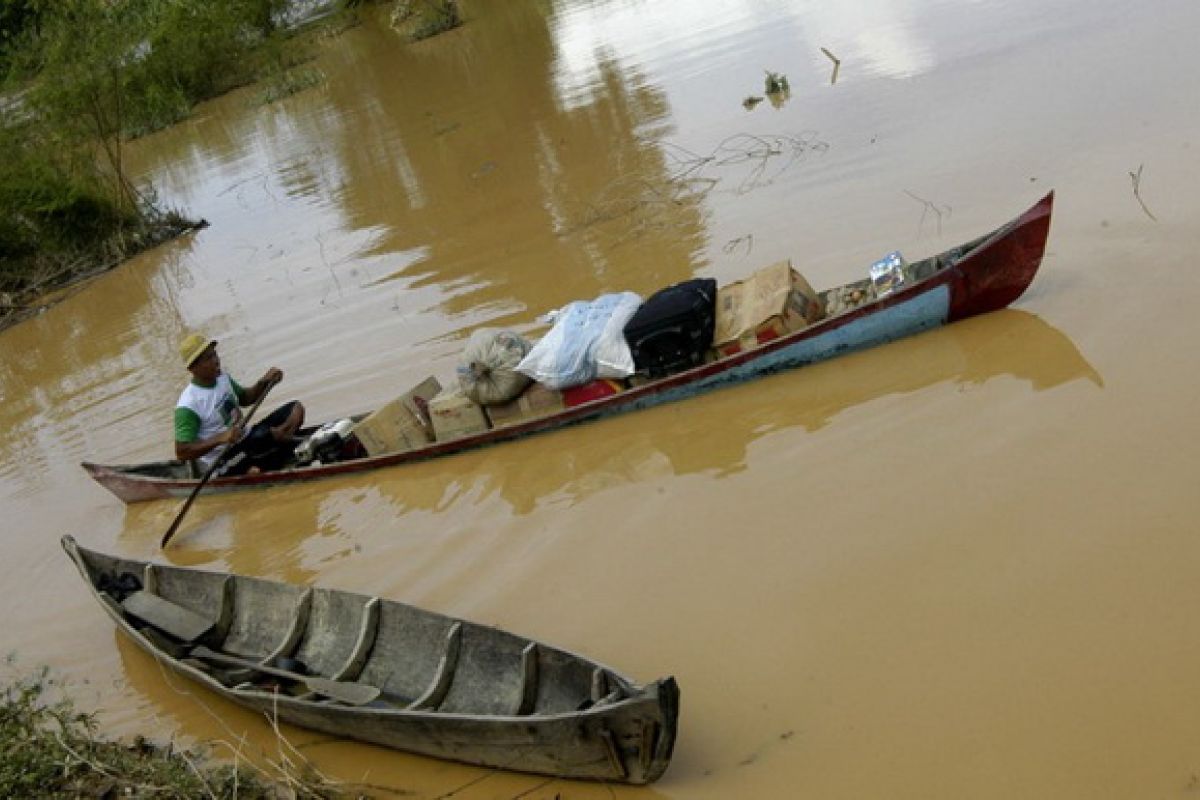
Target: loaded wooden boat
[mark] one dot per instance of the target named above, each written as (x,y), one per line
(389,673)
(985,274)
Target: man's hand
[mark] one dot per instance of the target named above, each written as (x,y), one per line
(187,451)
(271,377)
(233,434)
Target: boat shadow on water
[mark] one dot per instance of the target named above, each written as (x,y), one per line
(568,466)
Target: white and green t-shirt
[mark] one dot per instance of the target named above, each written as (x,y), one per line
(205,411)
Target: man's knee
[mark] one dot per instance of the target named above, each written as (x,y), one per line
(296,418)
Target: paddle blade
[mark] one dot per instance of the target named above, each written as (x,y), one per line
(353,694)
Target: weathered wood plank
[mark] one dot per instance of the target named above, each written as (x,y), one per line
(529,680)
(363,644)
(437,690)
(180,622)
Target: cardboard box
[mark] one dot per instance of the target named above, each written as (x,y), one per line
(536,401)
(774,301)
(454,415)
(403,424)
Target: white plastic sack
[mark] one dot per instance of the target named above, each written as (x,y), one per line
(586,342)
(487,371)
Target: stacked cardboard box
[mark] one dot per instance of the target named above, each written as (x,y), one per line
(771,303)
(454,415)
(403,424)
(536,401)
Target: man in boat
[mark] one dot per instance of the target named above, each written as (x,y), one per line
(208,417)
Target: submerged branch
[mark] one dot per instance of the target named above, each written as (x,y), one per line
(837,64)
(930,207)
(653,199)
(1136,178)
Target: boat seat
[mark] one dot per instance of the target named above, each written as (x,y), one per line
(170,618)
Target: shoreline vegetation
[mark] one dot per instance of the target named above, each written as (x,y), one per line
(81,78)
(49,749)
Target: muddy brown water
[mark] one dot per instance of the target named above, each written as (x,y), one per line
(961,565)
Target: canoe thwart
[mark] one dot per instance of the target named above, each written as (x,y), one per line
(436,693)
(529,680)
(171,618)
(296,628)
(365,640)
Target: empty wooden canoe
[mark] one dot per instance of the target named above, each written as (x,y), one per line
(390,673)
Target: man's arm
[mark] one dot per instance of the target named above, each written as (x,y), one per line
(187,426)
(250,395)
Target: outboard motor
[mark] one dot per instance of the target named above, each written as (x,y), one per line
(325,445)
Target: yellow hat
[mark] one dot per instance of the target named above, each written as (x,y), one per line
(193,346)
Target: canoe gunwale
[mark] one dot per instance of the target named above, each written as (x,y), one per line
(966,276)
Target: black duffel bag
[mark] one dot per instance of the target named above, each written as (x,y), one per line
(674,327)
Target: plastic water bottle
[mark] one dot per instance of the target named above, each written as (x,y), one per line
(887,274)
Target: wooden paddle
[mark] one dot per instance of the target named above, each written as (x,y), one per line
(355,694)
(217,462)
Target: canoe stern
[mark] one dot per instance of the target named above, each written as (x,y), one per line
(999,271)
(127,487)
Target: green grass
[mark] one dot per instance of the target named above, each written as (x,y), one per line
(421,19)
(287,83)
(81,77)
(48,749)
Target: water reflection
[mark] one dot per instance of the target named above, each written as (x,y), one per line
(414,196)
(281,534)
(562,468)
(80,379)
(511,140)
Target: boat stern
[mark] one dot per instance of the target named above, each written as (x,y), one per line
(1001,269)
(657,752)
(128,487)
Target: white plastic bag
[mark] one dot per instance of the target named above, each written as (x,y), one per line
(586,342)
(611,351)
(487,371)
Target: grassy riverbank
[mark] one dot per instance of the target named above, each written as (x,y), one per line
(49,749)
(82,77)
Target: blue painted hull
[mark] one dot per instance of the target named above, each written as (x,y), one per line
(920,313)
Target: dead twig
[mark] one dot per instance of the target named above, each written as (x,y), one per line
(936,210)
(467,785)
(302,779)
(534,788)
(733,244)
(196,771)
(1136,178)
(660,199)
(837,64)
